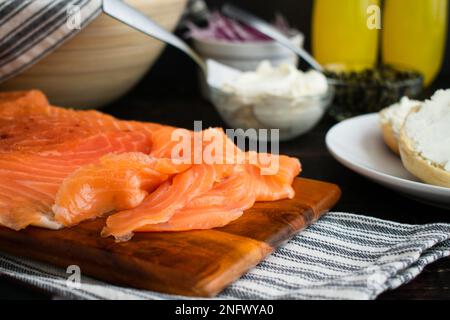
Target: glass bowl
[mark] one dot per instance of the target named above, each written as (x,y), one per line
(354,98)
(293,117)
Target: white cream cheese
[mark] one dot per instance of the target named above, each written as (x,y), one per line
(285,81)
(429,129)
(396,114)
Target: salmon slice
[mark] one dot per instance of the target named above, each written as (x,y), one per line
(164,142)
(210,146)
(116,182)
(278,185)
(15,103)
(161,204)
(224,203)
(33,179)
(29,123)
(40,132)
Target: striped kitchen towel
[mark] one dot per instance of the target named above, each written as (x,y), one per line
(342,256)
(30,29)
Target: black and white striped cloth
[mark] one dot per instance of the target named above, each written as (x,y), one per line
(342,256)
(31,29)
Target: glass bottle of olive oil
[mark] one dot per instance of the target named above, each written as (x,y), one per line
(413,35)
(341,37)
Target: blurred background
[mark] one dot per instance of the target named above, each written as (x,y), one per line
(373,52)
(174,65)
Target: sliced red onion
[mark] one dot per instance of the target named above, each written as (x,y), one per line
(221,28)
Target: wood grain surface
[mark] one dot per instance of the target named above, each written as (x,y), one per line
(195,263)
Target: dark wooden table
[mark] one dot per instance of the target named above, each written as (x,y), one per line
(359,195)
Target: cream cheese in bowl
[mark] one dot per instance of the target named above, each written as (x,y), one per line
(285,81)
(282,97)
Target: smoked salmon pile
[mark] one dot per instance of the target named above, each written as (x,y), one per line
(59,167)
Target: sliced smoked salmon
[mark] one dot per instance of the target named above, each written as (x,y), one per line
(59,167)
(210,146)
(116,182)
(16,103)
(40,145)
(224,203)
(228,199)
(160,205)
(30,181)
(276,185)
(37,126)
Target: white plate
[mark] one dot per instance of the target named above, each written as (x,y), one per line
(357,144)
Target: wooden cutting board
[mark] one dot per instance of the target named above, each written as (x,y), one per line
(195,263)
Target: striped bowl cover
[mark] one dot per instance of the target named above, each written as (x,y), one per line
(31,29)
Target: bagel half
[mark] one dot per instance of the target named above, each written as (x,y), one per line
(414,160)
(391,121)
(420,167)
(389,136)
